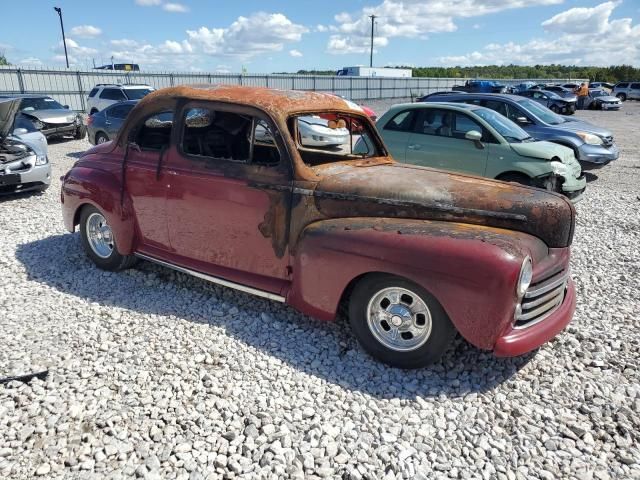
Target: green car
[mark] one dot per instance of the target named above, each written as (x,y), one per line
(480,141)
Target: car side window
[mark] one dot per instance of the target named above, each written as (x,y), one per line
(463,124)
(402,122)
(112,94)
(93,92)
(513,113)
(635,86)
(622,85)
(494,105)
(432,121)
(155,132)
(217,134)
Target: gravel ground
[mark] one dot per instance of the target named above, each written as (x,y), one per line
(157,375)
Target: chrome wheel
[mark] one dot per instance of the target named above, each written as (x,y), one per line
(101,139)
(399,319)
(99,235)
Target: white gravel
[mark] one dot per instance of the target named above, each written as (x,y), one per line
(157,375)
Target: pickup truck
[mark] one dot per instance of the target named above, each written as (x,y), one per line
(218,182)
(480,86)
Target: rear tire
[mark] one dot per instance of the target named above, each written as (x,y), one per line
(622,97)
(554,109)
(98,241)
(101,138)
(399,322)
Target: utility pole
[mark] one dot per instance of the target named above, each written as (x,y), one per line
(373,19)
(64,40)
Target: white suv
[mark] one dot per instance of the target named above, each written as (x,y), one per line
(105,94)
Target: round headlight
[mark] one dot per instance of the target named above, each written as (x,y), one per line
(526,275)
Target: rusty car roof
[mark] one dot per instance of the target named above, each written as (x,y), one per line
(277,102)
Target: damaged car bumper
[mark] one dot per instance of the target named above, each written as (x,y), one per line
(596,156)
(25,177)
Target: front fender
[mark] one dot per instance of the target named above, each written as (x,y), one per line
(472,270)
(102,189)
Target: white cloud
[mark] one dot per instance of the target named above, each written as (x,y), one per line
(148,3)
(86,31)
(78,54)
(295,53)
(582,20)
(31,61)
(248,36)
(321,28)
(124,43)
(608,42)
(175,8)
(413,19)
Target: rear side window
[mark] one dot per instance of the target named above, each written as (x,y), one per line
(635,86)
(402,122)
(22,121)
(93,92)
(434,122)
(155,131)
(622,85)
(216,134)
(112,94)
(119,111)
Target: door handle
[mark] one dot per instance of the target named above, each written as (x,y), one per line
(414,146)
(107,122)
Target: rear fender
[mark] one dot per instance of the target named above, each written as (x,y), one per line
(471,270)
(89,186)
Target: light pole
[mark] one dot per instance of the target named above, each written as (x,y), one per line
(373,19)
(64,40)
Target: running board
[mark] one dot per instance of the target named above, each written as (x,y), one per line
(216,280)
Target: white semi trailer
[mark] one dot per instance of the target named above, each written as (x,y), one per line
(375,72)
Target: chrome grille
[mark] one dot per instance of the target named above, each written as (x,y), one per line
(541,300)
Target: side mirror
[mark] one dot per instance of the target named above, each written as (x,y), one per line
(522,120)
(473,135)
(20,131)
(66,106)
(476,137)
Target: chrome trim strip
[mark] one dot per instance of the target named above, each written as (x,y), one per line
(547,287)
(543,299)
(542,317)
(540,310)
(216,280)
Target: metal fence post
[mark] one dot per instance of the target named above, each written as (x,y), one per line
(80,90)
(20,80)
(171,80)
(351,88)
(266,81)
(333,84)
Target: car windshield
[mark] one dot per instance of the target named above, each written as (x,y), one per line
(551,94)
(505,127)
(40,103)
(136,93)
(543,113)
(599,93)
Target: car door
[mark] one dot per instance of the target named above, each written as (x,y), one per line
(541,98)
(114,118)
(396,132)
(634,91)
(228,212)
(439,141)
(150,141)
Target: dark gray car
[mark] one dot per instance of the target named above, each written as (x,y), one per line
(105,124)
(553,101)
(593,146)
(49,116)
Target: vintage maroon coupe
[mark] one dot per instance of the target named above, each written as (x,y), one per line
(232,185)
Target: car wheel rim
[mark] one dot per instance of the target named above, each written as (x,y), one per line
(99,235)
(399,319)
(102,139)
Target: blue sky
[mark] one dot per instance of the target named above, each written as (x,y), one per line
(270,36)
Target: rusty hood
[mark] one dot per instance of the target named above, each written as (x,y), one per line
(408,191)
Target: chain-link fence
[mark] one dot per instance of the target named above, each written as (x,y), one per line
(72,87)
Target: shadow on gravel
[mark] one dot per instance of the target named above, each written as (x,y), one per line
(591,177)
(326,350)
(16,196)
(75,154)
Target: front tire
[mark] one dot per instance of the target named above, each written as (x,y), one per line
(99,243)
(554,109)
(622,97)
(399,322)
(81,132)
